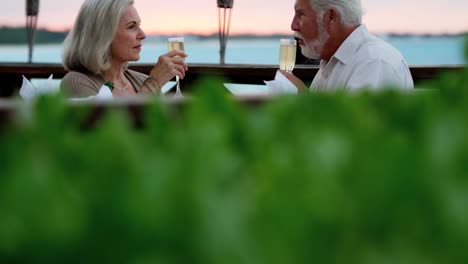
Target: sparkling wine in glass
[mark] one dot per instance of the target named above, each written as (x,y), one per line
(287,55)
(176,43)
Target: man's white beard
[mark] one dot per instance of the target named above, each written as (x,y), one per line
(314,48)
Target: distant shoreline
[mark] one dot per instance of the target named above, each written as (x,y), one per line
(17,35)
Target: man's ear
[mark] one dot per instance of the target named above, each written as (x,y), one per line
(331,16)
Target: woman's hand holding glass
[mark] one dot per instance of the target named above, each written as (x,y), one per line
(169,65)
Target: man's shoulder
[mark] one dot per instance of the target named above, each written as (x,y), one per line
(374,48)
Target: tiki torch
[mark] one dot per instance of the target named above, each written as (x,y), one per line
(32,10)
(224,9)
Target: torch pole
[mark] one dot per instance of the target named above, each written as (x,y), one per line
(224,22)
(32,11)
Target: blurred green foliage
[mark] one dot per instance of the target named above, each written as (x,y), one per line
(369,178)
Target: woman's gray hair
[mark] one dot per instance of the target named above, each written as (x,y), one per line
(87,46)
(350,10)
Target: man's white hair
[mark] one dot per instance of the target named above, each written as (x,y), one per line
(350,10)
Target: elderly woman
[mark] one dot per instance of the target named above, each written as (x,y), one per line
(105,37)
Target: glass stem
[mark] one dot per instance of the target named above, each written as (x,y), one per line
(178,92)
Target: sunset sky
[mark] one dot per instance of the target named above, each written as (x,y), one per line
(255,16)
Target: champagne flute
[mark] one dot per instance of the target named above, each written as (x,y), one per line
(287,56)
(176,43)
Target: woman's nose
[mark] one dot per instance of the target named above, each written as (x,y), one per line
(141,34)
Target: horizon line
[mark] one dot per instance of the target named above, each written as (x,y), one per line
(248,33)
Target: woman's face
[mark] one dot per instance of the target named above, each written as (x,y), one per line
(126,45)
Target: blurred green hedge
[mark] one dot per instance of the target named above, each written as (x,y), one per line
(369,178)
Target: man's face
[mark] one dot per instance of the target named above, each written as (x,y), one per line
(309,30)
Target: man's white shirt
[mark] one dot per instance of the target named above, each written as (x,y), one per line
(363,61)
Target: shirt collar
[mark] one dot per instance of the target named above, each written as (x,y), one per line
(351,44)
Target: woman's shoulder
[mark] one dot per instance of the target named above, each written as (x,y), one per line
(80,76)
(136,78)
(78,84)
(137,75)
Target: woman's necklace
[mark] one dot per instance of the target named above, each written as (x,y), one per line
(111,85)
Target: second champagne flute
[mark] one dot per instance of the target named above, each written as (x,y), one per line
(287,56)
(176,43)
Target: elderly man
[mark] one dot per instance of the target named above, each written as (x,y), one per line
(351,58)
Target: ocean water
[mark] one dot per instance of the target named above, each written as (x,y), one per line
(416,50)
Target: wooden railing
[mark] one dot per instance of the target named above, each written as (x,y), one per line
(11,79)
(11,73)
